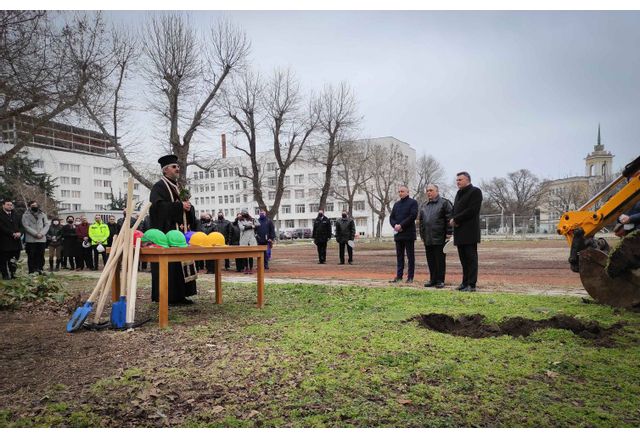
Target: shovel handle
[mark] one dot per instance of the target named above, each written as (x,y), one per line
(103,298)
(131,300)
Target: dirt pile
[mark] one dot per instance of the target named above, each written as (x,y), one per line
(474,326)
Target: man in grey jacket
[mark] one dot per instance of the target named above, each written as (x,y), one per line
(435,230)
(35,226)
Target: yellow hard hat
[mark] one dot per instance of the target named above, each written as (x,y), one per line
(215,239)
(199,239)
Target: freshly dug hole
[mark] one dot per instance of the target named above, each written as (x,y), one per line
(473,326)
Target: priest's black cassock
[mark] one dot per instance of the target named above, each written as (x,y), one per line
(164,215)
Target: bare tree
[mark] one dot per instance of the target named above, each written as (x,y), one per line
(353,172)
(387,169)
(242,105)
(291,125)
(428,171)
(565,198)
(517,194)
(336,107)
(187,73)
(46,68)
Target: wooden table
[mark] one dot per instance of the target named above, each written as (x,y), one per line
(163,256)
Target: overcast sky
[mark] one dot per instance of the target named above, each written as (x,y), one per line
(487,92)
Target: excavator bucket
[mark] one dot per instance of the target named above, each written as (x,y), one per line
(622,291)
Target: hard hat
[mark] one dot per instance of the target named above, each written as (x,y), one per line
(188,235)
(155,236)
(199,239)
(215,239)
(176,239)
(137,234)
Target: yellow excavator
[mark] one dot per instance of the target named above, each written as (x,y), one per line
(611,277)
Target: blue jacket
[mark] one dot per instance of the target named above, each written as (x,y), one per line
(265,231)
(405,212)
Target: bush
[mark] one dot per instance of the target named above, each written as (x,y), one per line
(30,288)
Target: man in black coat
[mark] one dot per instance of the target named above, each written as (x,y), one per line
(265,234)
(466,229)
(345,232)
(168,212)
(10,244)
(434,217)
(321,234)
(224,227)
(403,220)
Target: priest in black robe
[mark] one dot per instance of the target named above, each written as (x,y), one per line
(170,210)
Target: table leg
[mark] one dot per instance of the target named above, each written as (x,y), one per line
(260,262)
(163,284)
(218,281)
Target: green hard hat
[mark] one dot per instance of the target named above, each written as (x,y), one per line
(176,239)
(155,236)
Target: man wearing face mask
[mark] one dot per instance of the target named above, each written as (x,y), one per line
(36,226)
(54,243)
(10,244)
(70,246)
(345,232)
(99,234)
(82,231)
(265,234)
(224,226)
(321,234)
(206,226)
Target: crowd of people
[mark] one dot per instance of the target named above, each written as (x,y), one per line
(79,245)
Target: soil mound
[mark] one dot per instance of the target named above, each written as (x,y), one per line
(473,326)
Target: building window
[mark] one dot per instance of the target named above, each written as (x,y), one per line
(303,223)
(287,180)
(97,183)
(195,175)
(313,177)
(245,198)
(75,180)
(300,208)
(271,181)
(286,208)
(224,172)
(97,171)
(38,164)
(286,194)
(219,173)
(361,222)
(75,194)
(77,206)
(220,200)
(358,205)
(237,185)
(329,207)
(226,199)
(225,186)
(298,179)
(314,207)
(256,211)
(97,195)
(65,206)
(237,198)
(289,224)
(272,195)
(65,193)
(299,193)
(65,180)
(107,183)
(206,175)
(64,166)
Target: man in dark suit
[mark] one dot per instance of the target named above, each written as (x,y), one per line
(403,220)
(466,229)
(10,244)
(321,234)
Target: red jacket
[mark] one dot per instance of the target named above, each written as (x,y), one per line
(82,230)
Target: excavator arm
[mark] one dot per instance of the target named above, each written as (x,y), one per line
(580,226)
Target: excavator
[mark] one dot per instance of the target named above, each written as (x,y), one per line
(610,275)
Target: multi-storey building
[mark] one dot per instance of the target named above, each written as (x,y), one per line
(83,162)
(223,188)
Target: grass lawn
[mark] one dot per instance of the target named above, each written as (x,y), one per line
(320,356)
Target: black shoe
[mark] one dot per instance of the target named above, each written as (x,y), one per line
(440,285)
(409,281)
(340,263)
(183,302)
(350,262)
(395,280)
(430,284)
(461,287)
(468,289)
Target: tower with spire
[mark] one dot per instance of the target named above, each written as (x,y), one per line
(599,162)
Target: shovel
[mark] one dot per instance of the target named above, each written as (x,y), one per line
(82,312)
(131,304)
(119,308)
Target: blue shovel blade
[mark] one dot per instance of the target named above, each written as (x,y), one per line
(79,316)
(119,313)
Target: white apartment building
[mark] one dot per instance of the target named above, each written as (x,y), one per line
(83,163)
(222,188)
